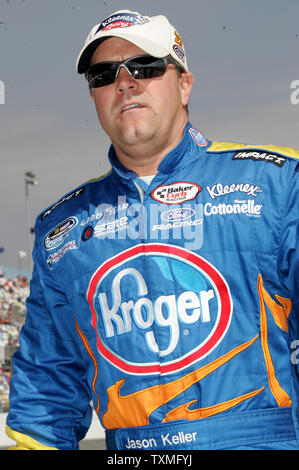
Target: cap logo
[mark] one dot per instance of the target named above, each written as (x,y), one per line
(178,39)
(178,47)
(121,20)
(179,52)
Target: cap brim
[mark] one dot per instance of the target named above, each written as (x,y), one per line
(149,47)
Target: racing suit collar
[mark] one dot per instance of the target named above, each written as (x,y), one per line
(182,155)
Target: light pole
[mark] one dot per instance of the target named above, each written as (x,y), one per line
(29,180)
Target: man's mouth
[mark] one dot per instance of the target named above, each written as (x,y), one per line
(130,106)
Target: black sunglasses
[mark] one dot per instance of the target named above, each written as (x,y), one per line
(144,66)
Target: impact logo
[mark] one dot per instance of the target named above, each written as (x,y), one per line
(63,200)
(176,193)
(158,308)
(261,156)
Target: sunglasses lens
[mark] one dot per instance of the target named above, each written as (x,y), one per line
(101,74)
(104,73)
(146,67)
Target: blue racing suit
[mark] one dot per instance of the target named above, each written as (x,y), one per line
(172,306)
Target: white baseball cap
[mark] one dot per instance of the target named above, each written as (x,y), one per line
(154,35)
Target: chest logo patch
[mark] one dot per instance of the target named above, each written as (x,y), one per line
(157,308)
(176,193)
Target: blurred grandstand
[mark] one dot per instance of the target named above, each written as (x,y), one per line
(14,289)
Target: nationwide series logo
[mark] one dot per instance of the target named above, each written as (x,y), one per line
(56,236)
(156,309)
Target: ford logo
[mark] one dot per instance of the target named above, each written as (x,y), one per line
(177,214)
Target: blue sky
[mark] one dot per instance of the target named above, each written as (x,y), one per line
(243,54)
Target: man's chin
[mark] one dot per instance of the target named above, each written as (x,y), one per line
(135,134)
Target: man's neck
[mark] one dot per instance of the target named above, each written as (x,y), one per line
(140,162)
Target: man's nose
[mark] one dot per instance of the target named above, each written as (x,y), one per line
(125,80)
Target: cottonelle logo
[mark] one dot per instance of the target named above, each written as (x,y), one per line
(157,308)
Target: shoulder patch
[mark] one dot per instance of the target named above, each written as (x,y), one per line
(69,196)
(231,146)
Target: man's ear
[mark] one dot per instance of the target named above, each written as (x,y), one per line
(186,83)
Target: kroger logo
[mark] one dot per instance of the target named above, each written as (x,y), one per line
(158,308)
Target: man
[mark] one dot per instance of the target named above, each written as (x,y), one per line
(167,290)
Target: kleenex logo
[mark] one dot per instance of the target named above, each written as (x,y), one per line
(220,189)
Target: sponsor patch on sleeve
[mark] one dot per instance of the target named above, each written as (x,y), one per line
(57,235)
(61,201)
(259,155)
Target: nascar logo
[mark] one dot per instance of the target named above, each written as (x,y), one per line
(167,330)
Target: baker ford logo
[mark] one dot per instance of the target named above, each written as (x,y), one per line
(158,308)
(176,193)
